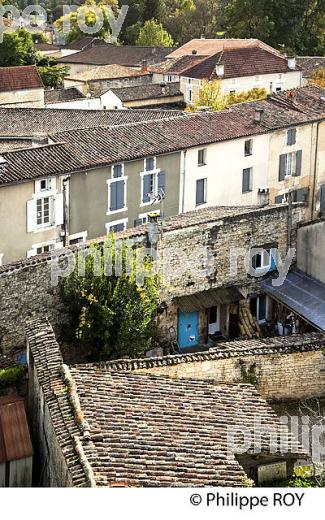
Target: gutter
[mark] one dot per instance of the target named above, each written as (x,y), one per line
(315,173)
(183,178)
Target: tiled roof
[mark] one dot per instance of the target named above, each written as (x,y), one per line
(85,43)
(128,55)
(106,72)
(148,91)
(208,47)
(46,47)
(24,122)
(19,78)
(309,64)
(176,65)
(145,430)
(15,441)
(239,62)
(78,150)
(62,95)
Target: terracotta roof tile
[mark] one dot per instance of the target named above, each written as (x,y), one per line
(148,91)
(19,78)
(210,46)
(15,440)
(113,71)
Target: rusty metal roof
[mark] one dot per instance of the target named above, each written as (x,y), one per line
(15,440)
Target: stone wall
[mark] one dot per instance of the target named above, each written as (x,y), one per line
(26,288)
(97,88)
(278,377)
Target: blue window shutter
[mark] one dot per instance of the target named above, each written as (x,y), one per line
(146,183)
(282,167)
(200,184)
(120,195)
(113,202)
(298,163)
(161,183)
(117,171)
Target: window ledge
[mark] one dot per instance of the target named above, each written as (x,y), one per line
(116,211)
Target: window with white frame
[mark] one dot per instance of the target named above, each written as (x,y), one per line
(153,186)
(143,218)
(45,209)
(213,320)
(116,226)
(290,165)
(78,238)
(260,308)
(43,247)
(117,189)
(202,157)
(201,192)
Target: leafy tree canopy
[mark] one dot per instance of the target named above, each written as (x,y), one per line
(52,76)
(110,313)
(17,49)
(152,34)
(318,78)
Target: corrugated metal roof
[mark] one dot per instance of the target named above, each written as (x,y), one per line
(15,440)
(207,299)
(303,294)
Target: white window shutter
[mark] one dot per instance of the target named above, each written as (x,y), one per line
(31,252)
(31,215)
(58,209)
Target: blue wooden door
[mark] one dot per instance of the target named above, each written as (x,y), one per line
(188,329)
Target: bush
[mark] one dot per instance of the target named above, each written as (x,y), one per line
(11,376)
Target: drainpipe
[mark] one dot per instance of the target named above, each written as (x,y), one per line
(66,191)
(315,175)
(289,219)
(183,174)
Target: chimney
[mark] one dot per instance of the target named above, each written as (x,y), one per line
(292,63)
(39,140)
(144,66)
(220,70)
(258,115)
(194,52)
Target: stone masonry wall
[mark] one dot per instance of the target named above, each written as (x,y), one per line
(299,375)
(26,289)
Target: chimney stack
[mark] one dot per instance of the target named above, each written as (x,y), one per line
(292,63)
(220,70)
(194,52)
(258,115)
(163,88)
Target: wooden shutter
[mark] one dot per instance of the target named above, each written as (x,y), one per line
(31,215)
(59,211)
(113,202)
(161,183)
(200,192)
(120,203)
(146,183)
(246,185)
(282,167)
(298,163)
(291,136)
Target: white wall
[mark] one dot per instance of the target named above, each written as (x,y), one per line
(108,101)
(223,171)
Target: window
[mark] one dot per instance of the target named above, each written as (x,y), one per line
(290,165)
(291,136)
(201,191)
(143,218)
(150,164)
(78,238)
(153,187)
(116,226)
(43,211)
(278,88)
(232,92)
(248,147)
(213,320)
(45,247)
(169,79)
(117,189)
(47,184)
(260,308)
(247,183)
(202,157)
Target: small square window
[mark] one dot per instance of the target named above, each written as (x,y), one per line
(43,184)
(248,147)
(202,159)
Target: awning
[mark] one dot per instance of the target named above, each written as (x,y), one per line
(302,294)
(207,299)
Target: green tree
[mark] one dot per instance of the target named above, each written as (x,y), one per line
(40,38)
(53,76)
(211,96)
(292,25)
(87,12)
(16,49)
(318,78)
(152,34)
(152,10)
(109,312)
